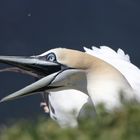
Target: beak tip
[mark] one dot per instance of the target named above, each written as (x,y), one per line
(2,100)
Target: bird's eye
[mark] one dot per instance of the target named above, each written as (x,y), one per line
(51,57)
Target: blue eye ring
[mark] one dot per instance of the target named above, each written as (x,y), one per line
(51,57)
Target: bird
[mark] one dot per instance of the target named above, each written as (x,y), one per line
(100,73)
(65,107)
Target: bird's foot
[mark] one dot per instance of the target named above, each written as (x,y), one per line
(45,107)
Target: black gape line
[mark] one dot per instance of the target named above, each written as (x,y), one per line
(52,87)
(38,69)
(46,95)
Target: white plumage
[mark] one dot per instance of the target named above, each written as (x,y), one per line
(60,99)
(107,73)
(121,62)
(67,105)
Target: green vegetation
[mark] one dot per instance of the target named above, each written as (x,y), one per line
(119,125)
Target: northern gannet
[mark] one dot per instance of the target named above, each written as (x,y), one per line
(65,106)
(91,73)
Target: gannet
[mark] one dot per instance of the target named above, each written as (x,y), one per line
(65,106)
(72,69)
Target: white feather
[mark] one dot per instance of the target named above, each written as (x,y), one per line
(67,101)
(107,52)
(67,105)
(121,62)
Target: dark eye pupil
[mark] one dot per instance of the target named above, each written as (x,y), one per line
(51,57)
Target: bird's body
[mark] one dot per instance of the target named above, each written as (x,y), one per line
(104,81)
(100,74)
(122,63)
(65,106)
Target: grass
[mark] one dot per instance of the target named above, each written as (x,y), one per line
(118,125)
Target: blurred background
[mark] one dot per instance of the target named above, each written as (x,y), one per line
(31,27)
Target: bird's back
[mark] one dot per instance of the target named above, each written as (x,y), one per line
(121,62)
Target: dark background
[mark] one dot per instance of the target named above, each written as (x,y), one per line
(29,27)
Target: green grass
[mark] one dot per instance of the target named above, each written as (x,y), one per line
(119,125)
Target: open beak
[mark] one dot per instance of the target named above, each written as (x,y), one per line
(38,86)
(55,76)
(63,79)
(34,65)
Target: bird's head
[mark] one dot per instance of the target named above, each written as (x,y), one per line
(68,58)
(59,68)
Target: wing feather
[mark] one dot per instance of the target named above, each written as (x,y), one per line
(121,62)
